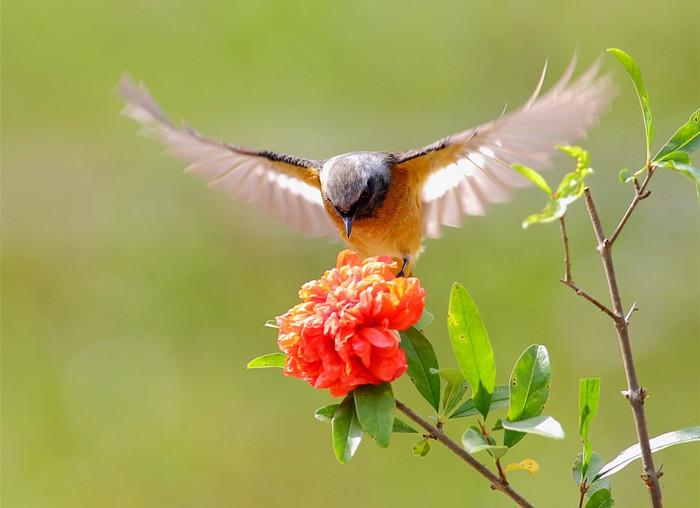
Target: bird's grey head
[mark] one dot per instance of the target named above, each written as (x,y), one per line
(356,184)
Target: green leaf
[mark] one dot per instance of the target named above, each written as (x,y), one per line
(421,448)
(269,360)
(374,405)
(685,169)
(595,465)
(425,320)
(529,388)
(545,426)
(500,398)
(454,390)
(624,175)
(601,499)
(533,176)
(686,139)
(570,189)
(474,442)
(471,346)
(325,413)
(401,427)
(420,358)
(551,212)
(588,398)
(634,72)
(572,185)
(676,157)
(346,430)
(634,452)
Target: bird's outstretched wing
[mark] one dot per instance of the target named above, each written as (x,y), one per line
(284,186)
(462,173)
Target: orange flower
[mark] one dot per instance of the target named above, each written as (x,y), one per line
(343,334)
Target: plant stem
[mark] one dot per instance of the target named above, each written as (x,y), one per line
(634,394)
(501,472)
(582,495)
(568,279)
(439,435)
(640,193)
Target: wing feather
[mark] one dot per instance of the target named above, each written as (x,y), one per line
(285,187)
(463,173)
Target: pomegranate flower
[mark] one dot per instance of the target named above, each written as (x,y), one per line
(343,334)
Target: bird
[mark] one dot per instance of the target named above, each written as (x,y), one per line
(387,203)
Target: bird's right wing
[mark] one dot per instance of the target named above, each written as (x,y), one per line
(286,187)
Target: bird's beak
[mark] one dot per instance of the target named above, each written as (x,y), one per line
(347,219)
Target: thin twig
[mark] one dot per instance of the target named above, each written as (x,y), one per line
(634,393)
(501,472)
(582,494)
(567,257)
(640,193)
(568,279)
(632,310)
(439,435)
(602,307)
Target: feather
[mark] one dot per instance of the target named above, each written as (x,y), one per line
(285,187)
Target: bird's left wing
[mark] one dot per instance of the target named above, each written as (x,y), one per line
(462,173)
(284,186)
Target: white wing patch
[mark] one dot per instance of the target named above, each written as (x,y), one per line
(482,174)
(248,176)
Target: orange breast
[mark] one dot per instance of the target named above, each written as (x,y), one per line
(396,228)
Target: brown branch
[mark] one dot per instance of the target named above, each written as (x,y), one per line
(568,279)
(582,494)
(567,257)
(501,472)
(439,435)
(640,193)
(634,393)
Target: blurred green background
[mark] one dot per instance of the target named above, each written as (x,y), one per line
(133,296)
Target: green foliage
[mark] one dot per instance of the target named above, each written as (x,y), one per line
(601,499)
(346,430)
(421,448)
(471,346)
(374,405)
(534,177)
(687,170)
(473,442)
(266,361)
(629,455)
(325,413)
(544,426)
(529,388)
(401,427)
(686,139)
(675,154)
(569,190)
(636,75)
(588,398)
(589,477)
(500,398)
(455,388)
(425,320)
(421,358)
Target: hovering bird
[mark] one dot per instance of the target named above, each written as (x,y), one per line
(385,203)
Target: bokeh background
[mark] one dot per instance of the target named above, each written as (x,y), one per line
(133,296)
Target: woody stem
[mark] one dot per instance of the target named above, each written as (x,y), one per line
(439,435)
